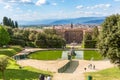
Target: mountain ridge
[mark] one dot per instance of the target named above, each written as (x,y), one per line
(79,20)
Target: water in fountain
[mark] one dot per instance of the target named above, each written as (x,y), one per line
(79,55)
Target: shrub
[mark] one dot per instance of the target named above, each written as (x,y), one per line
(90,44)
(30,44)
(40,43)
(17,42)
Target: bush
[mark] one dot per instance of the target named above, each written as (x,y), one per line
(90,44)
(40,43)
(30,44)
(17,42)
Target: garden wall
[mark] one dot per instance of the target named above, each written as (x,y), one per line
(62,69)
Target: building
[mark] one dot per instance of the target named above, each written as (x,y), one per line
(73,35)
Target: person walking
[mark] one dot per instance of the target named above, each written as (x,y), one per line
(48,77)
(41,77)
(94,67)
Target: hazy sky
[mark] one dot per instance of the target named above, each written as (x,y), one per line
(57,9)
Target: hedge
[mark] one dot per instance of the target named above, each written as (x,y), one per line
(17,42)
(30,44)
(90,44)
(49,43)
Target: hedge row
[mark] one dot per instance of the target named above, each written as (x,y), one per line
(17,42)
(21,42)
(90,44)
(49,43)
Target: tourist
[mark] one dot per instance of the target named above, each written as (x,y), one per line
(48,77)
(90,66)
(85,68)
(94,67)
(41,77)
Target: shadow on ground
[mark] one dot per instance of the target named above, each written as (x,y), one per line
(73,66)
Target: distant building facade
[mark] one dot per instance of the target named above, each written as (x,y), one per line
(73,34)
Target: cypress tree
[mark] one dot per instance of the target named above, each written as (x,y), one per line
(16,24)
(5,21)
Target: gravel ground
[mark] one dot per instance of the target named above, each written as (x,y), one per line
(74,72)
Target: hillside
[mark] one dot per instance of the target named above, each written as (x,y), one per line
(81,20)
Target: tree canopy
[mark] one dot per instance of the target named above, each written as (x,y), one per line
(3,64)
(109,40)
(9,22)
(4,36)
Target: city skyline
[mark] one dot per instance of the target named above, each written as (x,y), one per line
(28,10)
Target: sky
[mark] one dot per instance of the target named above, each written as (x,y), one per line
(29,10)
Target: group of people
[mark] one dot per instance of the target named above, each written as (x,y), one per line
(90,66)
(43,77)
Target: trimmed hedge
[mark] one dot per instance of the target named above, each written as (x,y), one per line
(17,42)
(49,43)
(90,44)
(30,44)
(40,43)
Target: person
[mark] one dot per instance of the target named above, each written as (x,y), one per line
(94,67)
(90,66)
(85,68)
(41,77)
(48,77)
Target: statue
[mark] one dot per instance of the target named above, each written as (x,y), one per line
(71,53)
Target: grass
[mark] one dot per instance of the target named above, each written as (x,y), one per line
(107,74)
(16,48)
(12,50)
(89,54)
(13,72)
(46,55)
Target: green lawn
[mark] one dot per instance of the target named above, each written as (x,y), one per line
(107,74)
(13,72)
(12,50)
(46,55)
(89,54)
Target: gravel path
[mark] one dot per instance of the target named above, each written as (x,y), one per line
(74,72)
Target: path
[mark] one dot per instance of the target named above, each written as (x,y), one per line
(29,50)
(74,72)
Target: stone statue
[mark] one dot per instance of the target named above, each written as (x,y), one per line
(71,53)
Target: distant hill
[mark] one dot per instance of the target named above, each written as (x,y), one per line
(81,20)
(95,21)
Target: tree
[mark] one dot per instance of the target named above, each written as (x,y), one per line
(109,40)
(16,24)
(32,37)
(50,31)
(12,24)
(71,25)
(5,21)
(9,22)
(87,36)
(3,65)
(4,36)
(95,33)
